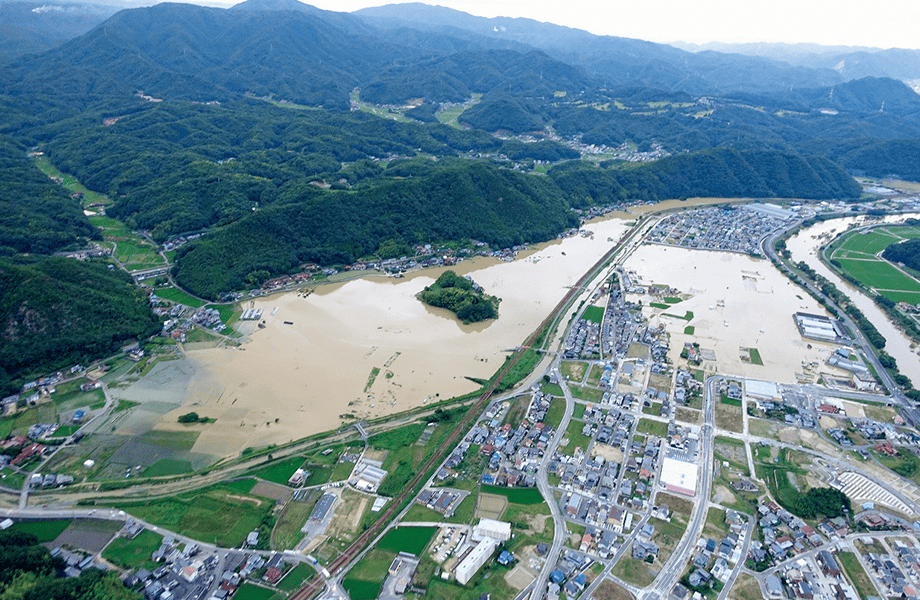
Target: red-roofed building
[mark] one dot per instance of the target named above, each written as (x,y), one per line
(272,575)
(27,453)
(829,408)
(887,449)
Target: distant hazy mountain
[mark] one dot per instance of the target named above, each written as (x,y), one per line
(852,62)
(32,27)
(616,61)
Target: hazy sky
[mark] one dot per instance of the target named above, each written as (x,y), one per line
(879,23)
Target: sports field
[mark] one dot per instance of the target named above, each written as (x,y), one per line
(859,255)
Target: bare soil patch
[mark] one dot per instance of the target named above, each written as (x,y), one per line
(729,417)
(607,452)
(491,506)
(274,491)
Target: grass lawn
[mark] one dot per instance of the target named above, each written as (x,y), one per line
(587,394)
(45,531)
(419,513)
(688,316)
(879,275)
(636,572)
(715,523)
(168,466)
(248,591)
(594,376)
(652,427)
(407,539)
(287,534)
(280,471)
(576,438)
(755,356)
(660,305)
(134,554)
(176,295)
(464,512)
(556,411)
(365,580)
(11,478)
(525,496)
(689,330)
(552,389)
(857,575)
(223,514)
(594,314)
(574,370)
(295,578)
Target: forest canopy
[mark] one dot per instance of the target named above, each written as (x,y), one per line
(460,296)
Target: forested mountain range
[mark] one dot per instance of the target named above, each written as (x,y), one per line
(851,62)
(29,27)
(288,134)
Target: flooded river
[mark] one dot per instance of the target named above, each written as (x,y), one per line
(368,347)
(805,247)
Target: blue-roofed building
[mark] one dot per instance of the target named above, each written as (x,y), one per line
(505,558)
(557,577)
(78,416)
(488,479)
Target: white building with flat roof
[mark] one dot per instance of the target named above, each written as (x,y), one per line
(679,476)
(475,559)
(499,530)
(761,390)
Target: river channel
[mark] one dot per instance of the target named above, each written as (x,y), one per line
(805,246)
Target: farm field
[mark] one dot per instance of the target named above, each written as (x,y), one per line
(135,553)
(176,295)
(222,514)
(856,254)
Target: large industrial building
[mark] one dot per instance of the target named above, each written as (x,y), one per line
(475,559)
(762,391)
(679,476)
(490,533)
(499,530)
(817,327)
(367,476)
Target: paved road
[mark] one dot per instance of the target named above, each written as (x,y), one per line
(677,561)
(539,587)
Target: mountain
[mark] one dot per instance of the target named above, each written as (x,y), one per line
(851,62)
(59,311)
(33,27)
(180,51)
(615,61)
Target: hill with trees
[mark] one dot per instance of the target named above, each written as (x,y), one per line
(36,215)
(906,253)
(29,572)
(460,296)
(58,312)
(414,201)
